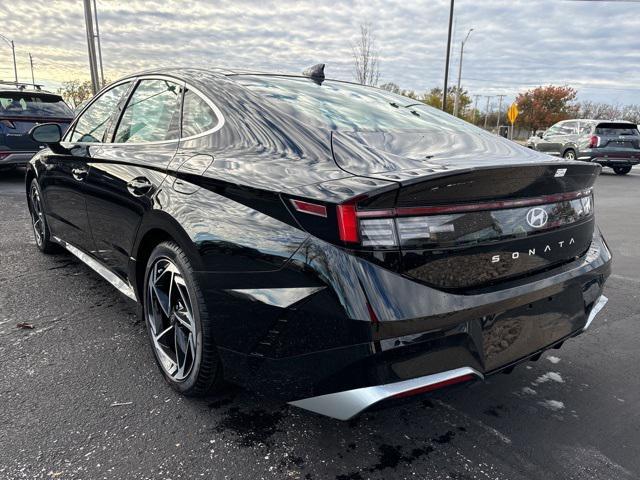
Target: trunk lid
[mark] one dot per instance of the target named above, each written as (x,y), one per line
(471,209)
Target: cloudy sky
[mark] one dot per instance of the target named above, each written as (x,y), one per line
(590,45)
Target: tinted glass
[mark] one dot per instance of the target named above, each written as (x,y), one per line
(93,123)
(33,105)
(344,106)
(152,114)
(615,129)
(197,115)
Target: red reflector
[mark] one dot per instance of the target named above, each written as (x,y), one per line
(594,141)
(348,223)
(310,208)
(435,386)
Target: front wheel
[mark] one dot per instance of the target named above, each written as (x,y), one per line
(621,170)
(180,332)
(39,220)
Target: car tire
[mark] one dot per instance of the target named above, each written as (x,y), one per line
(621,170)
(569,155)
(39,222)
(178,323)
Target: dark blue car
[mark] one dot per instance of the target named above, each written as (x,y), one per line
(20,110)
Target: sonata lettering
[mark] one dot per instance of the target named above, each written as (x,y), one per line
(532,251)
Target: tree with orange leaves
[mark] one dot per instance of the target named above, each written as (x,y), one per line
(544,106)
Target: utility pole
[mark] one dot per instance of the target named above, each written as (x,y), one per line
(486,113)
(499,109)
(456,107)
(13,50)
(446,68)
(475,108)
(91,47)
(98,46)
(33,79)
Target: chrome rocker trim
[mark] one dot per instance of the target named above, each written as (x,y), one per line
(348,404)
(100,269)
(599,305)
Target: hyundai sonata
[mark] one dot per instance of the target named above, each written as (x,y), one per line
(333,244)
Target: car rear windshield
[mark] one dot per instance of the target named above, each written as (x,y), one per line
(615,129)
(26,104)
(345,106)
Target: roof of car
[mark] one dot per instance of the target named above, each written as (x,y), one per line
(591,120)
(190,72)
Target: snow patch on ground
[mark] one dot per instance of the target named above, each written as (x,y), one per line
(554,405)
(548,377)
(529,391)
(553,359)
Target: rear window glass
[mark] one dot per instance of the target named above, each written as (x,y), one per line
(615,129)
(344,106)
(33,105)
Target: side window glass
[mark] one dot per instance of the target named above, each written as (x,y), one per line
(93,123)
(152,114)
(570,128)
(197,115)
(585,128)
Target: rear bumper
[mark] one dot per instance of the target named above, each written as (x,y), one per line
(611,157)
(385,334)
(17,159)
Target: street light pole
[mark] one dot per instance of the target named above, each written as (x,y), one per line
(13,50)
(446,68)
(91,46)
(456,106)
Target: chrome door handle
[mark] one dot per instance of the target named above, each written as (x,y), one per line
(79,173)
(139,186)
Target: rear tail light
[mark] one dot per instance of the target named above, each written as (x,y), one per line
(348,223)
(594,141)
(8,124)
(413,227)
(4,154)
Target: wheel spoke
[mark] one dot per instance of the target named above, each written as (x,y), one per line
(170,319)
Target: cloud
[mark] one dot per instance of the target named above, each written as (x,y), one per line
(592,46)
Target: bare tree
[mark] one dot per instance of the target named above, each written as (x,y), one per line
(365,57)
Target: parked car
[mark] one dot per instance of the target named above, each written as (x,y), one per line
(332,244)
(612,144)
(20,109)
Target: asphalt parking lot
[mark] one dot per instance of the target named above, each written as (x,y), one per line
(81,397)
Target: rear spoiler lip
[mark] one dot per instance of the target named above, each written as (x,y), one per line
(431,175)
(320,190)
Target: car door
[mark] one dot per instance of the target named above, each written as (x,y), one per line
(126,173)
(551,140)
(62,180)
(570,140)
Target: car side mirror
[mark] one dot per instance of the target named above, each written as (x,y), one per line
(47,133)
(50,134)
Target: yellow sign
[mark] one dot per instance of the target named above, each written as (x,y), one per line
(513,113)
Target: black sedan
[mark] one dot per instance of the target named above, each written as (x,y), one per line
(332,244)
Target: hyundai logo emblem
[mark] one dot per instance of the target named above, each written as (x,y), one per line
(537,217)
